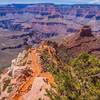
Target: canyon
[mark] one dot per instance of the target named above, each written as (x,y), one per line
(29,24)
(49,52)
(37,70)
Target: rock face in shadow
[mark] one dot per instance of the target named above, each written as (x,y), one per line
(86,31)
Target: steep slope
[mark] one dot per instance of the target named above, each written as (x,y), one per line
(26,70)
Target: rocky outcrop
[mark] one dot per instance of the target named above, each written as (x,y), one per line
(84,41)
(39,87)
(24,77)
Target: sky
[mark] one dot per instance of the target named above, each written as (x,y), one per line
(51,1)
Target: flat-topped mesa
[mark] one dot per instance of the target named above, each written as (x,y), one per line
(86,31)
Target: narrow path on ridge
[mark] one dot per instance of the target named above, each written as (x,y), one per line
(36,67)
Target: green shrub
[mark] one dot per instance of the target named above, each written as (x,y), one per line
(77,81)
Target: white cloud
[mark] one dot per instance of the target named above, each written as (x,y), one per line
(95,2)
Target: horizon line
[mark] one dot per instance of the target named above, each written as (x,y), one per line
(52,3)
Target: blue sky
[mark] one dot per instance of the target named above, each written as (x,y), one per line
(51,1)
